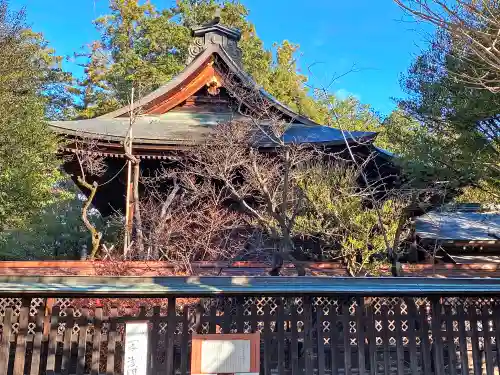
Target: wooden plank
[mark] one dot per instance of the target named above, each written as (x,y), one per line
(212,325)
(169,340)
(253,317)
(400,360)
(412,334)
(20,357)
(496,324)
(200,319)
(372,343)
(154,363)
(294,340)
(37,343)
(51,357)
(82,343)
(66,359)
(437,337)
(227,319)
(96,342)
(308,327)
(320,340)
(360,331)
(267,339)
(346,333)
(476,354)
(385,339)
(334,337)
(450,341)
(185,341)
(5,342)
(486,317)
(280,322)
(425,347)
(110,360)
(240,316)
(462,341)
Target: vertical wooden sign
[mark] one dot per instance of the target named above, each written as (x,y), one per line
(136,348)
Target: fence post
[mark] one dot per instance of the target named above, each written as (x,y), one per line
(170,341)
(110,361)
(425,348)
(294,339)
(51,358)
(346,332)
(360,330)
(20,356)
(437,337)
(66,359)
(450,338)
(280,322)
(37,343)
(308,327)
(96,342)
(412,333)
(476,353)
(385,338)
(5,342)
(82,342)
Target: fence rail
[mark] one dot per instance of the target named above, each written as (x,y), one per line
(129,286)
(308,334)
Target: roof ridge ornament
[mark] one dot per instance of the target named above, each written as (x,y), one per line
(213,33)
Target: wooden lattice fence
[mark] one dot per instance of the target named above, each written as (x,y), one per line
(300,335)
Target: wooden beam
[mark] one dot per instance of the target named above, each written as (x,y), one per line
(188,89)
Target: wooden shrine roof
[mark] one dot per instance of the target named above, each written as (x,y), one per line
(175,128)
(165,119)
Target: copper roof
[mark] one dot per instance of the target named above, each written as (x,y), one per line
(190,128)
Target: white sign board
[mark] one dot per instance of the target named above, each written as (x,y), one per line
(136,349)
(225,356)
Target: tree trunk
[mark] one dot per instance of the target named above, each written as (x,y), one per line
(137,210)
(95,234)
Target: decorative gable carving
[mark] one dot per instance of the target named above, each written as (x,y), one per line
(215,34)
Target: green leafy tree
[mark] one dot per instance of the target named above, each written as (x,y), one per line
(56,231)
(350,114)
(453,86)
(30,85)
(337,215)
(446,133)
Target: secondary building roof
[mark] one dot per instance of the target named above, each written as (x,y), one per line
(461,226)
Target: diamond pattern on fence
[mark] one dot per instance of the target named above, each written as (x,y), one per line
(16,304)
(66,306)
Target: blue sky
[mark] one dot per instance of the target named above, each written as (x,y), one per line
(334,35)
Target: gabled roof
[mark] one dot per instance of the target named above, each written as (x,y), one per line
(179,84)
(158,125)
